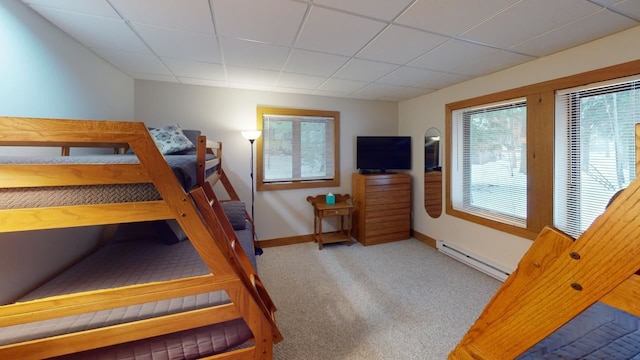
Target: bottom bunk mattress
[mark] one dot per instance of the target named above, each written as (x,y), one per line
(133,262)
(599,332)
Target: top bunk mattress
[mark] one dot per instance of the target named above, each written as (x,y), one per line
(183,166)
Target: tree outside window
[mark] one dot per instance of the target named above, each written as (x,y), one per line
(298,148)
(491,176)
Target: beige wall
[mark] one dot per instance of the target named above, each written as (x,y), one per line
(222,113)
(47,74)
(419,114)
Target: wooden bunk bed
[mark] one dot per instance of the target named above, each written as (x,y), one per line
(243,313)
(562,286)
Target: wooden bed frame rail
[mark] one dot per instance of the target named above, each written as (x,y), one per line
(560,277)
(208,237)
(204,147)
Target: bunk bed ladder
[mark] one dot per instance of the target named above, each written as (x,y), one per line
(211,210)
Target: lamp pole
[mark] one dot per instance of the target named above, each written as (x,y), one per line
(252,136)
(251,176)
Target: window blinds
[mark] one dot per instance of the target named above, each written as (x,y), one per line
(595,149)
(489,179)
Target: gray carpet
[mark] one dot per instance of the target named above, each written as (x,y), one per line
(401,300)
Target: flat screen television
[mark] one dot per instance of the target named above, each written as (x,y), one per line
(382,153)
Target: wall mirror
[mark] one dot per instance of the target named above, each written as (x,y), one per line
(432,173)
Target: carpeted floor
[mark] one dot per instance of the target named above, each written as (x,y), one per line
(400,300)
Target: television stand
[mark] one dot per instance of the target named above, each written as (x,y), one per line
(376,171)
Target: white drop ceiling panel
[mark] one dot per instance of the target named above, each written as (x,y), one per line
(253,54)
(342,86)
(246,77)
(630,8)
(364,70)
(191,15)
(196,69)
(378,9)
(297,81)
(134,63)
(88,7)
(451,55)
(443,81)
(154,77)
(451,17)
(581,31)
(492,31)
(362,49)
(202,82)
(491,63)
(273,21)
(337,33)
(390,46)
(94,31)
(388,92)
(179,43)
(407,76)
(314,63)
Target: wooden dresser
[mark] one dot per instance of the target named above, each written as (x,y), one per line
(382,207)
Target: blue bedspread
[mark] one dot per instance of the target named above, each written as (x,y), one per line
(600,332)
(184,166)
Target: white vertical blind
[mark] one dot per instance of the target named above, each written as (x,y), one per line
(595,149)
(489,177)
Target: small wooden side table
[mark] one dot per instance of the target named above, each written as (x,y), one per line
(342,208)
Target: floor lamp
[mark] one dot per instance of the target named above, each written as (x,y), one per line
(252,136)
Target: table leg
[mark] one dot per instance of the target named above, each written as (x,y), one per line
(349,228)
(320,232)
(315,226)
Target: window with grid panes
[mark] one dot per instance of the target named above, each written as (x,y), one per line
(298,148)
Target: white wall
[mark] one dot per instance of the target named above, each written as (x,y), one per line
(419,114)
(47,74)
(222,113)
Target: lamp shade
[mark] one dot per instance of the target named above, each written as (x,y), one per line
(251,134)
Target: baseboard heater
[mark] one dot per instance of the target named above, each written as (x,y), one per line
(494,270)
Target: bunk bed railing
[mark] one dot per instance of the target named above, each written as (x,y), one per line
(175,204)
(116,334)
(204,147)
(79,303)
(17,176)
